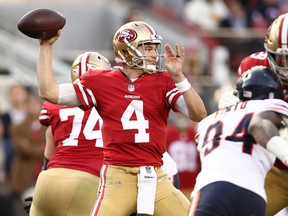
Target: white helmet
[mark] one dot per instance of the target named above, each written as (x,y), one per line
(276,45)
(88,60)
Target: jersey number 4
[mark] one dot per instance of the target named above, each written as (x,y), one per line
(136,106)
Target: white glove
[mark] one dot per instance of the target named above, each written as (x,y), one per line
(228,99)
(169,165)
(279,147)
(284,134)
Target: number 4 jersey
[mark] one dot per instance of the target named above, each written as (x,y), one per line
(77,136)
(134,114)
(228,153)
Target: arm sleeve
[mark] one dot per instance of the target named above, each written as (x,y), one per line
(67,95)
(181,106)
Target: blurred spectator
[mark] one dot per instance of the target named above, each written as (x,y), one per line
(195,61)
(195,58)
(182,148)
(283,6)
(264,13)
(132,15)
(2,157)
(220,70)
(172,9)
(237,18)
(205,13)
(29,142)
(144,3)
(5,204)
(248,4)
(15,114)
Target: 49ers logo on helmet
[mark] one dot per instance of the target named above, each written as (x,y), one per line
(129,34)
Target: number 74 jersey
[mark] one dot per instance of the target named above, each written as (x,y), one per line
(229,153)
(77,136)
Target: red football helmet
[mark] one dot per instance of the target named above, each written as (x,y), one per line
(255,59)
(129,37)
(276,45)
(88,60)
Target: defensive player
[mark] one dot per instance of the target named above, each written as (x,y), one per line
(73,153)
(236,146)
(134,104)
(276,58)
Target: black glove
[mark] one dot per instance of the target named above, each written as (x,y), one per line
(45,163)
(27,204)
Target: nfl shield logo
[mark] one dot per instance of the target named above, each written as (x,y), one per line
(131,88)
(148,169)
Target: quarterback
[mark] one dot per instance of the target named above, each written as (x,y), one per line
(134,103)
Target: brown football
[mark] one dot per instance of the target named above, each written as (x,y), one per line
(41,23)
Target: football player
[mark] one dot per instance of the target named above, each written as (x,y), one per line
(238,146)
(134,103)
(73,154)
(275,57)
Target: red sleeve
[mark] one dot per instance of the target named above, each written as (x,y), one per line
(44,118)
(172,93)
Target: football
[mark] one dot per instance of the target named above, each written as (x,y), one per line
(41,23)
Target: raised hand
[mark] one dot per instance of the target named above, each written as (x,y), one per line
(174,62)
(52,40)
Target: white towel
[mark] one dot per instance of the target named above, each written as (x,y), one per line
(147,181)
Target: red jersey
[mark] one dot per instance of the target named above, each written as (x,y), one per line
(134,114)
(77,135)
(183,149)
(258,59)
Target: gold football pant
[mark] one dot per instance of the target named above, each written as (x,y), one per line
(276,187)
(68,192)
(118,194)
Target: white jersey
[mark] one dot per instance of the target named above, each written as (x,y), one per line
(228,153)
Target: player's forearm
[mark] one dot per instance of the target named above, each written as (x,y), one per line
(195,105)
(50,144)
(192,106)
(48,89)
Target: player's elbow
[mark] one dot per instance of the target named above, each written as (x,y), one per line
(43,96)
(51,96)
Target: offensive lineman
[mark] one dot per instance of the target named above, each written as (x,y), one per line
(73,154)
